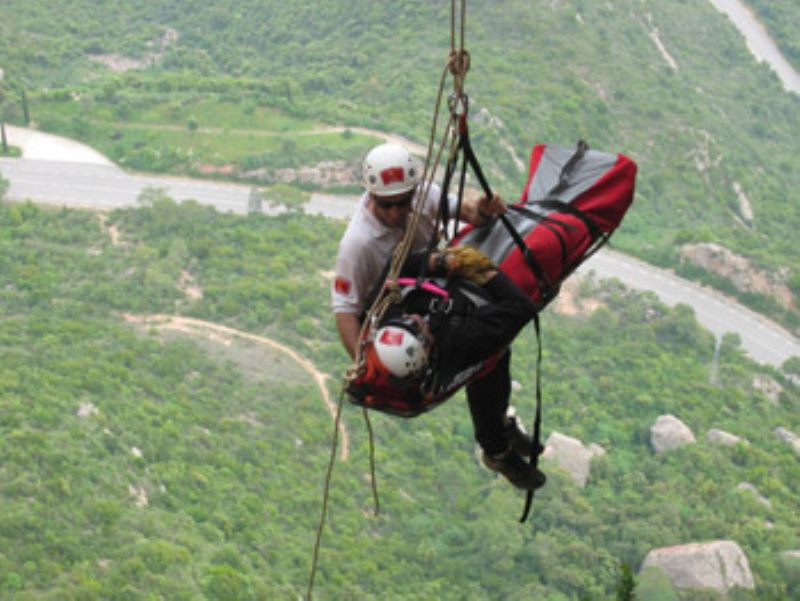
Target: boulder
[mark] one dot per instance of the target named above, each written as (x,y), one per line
(744,276)
(572,455)
(768,387)
(87,410)
(721,437)
(718,565)
(670,433)
(746,486)
(789,437)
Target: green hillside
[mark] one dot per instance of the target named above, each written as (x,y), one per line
(139,463)
(231,466)
(670,83)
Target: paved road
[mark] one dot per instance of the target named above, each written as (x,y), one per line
(106,186)
(90,185)
(759,42)
(764,340)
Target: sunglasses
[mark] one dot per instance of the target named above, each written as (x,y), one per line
(391,204)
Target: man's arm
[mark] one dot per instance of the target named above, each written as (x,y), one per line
(349,328)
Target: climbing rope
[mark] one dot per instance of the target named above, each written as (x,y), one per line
(456,66)
(325,497)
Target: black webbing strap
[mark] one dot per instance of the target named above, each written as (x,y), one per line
(443,217)
(565,207)
(546,288)
(548,223)
(536,440)
(566,170)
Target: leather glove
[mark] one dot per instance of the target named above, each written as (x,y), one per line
(471,264)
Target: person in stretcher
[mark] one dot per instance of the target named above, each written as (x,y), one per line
(452,327)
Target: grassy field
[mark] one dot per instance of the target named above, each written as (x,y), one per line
(198,130)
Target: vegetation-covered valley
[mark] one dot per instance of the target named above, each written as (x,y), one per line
(137,466)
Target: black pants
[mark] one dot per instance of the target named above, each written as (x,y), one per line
(488,403)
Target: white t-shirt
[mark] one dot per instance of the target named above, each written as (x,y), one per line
(367,247)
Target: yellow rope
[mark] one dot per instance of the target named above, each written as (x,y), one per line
(457,66)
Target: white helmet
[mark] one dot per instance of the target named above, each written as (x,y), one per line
(401,348)
(390,169)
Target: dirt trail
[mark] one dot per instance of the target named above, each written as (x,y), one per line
(194,327)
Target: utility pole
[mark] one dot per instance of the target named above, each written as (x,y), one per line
(26,114)
(2,111)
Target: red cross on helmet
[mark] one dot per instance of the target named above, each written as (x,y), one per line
(401,348)
(390,169)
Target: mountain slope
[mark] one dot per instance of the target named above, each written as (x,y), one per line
(194,479)
(669,83)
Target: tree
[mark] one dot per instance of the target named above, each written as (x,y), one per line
(3,187)
(626,586)
(791,366)
(151,195)
(292,199)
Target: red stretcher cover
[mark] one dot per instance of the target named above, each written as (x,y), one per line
(570,206)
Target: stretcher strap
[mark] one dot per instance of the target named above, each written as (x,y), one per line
(536,440)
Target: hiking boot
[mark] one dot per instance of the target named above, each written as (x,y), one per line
(514,468)
(517,436)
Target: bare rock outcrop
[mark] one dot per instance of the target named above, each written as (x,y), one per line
(572,455)
(669,433)
(789,437)
(325,174)
(745,277)
(722,438)
(750,488)
(87,410)
(718,565)
(768,387)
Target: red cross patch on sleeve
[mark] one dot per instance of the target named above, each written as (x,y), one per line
(342,285)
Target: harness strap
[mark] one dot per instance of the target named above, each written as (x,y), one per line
(549,223)
(566,170)
(546,288)
(536,440)
(565,207)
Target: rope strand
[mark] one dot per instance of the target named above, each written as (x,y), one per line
(325,498)
(457,66)
(373,477)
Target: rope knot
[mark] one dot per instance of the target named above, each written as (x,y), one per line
(458,63)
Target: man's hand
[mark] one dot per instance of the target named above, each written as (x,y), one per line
(480,210)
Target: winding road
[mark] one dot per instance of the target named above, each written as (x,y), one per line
(61,172)
(759,42)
